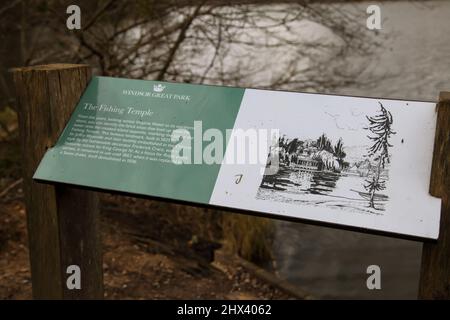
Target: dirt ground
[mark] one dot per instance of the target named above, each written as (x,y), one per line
(135,266)
(151,250)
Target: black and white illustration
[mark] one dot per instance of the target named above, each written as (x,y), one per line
(328,171)
(351,161)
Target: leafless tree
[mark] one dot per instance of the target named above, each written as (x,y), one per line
(299,45)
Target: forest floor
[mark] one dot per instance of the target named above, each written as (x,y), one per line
(152,250)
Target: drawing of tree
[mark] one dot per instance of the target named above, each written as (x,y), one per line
(323,143)
(339,152)
(380,126)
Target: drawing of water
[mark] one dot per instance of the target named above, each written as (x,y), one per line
(318,188)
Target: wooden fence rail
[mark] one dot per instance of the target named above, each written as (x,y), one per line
(63,223)
(435,270)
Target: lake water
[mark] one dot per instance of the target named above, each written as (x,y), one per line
(413,60)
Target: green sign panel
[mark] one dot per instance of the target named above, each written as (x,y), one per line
(119,138)
(348,161)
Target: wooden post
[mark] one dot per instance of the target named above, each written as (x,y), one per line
(63,223)
(435,270)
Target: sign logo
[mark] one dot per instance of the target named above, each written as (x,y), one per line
(158,87)
(158,92)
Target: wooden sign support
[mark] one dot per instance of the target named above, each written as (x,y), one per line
(63,223)
(435,270)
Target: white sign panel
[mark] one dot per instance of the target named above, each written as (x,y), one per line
(350,161)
